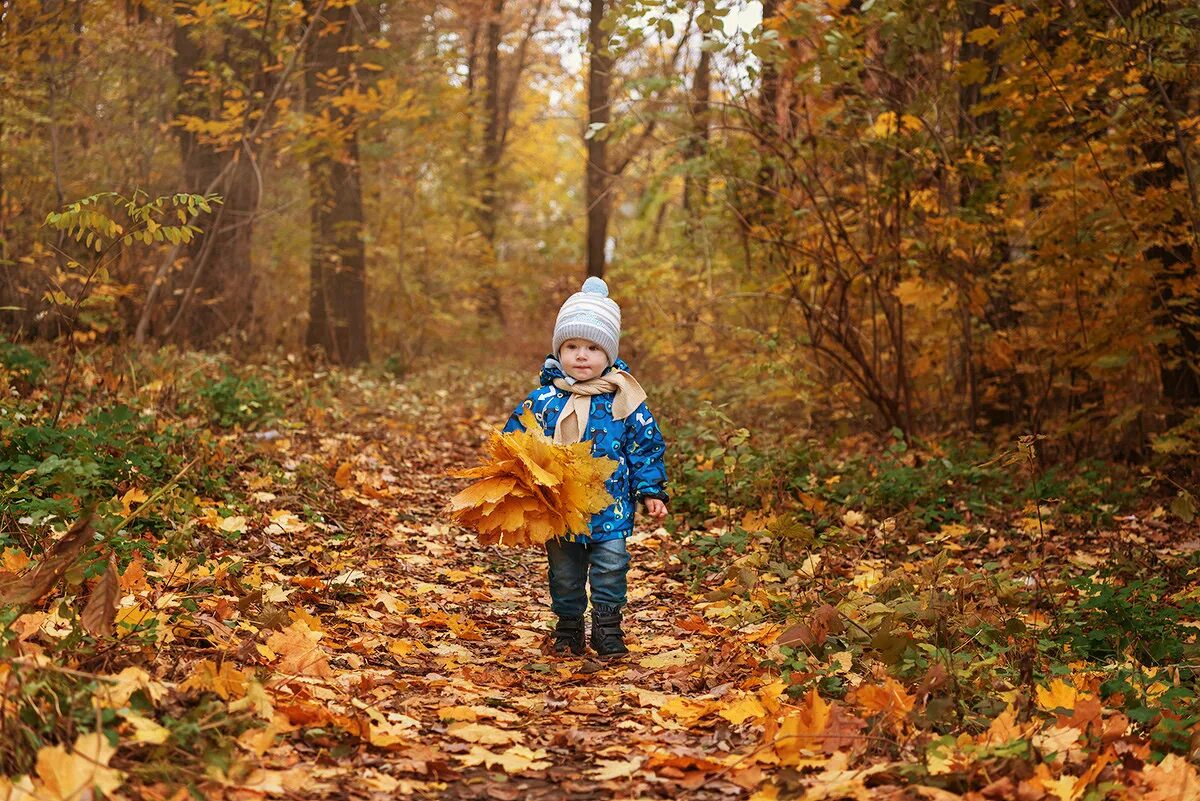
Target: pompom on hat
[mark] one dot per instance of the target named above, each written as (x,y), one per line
(590,314)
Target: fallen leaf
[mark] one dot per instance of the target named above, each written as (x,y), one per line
(517,759)
(1059,695)
(1173,779)
(299,652)
(483,733)
(72,775)
(145,730)
(609,769)
(101,609)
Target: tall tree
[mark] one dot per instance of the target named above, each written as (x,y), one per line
(1173,181)
(493,142)
(337,320)
(216,291)
(598,178)
(695,184)
(979,193)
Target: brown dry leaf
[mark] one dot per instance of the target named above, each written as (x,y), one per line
(298,651)
(101,609)
(39,581)
(342,476)
(890,700)
(483,733)
(1173,779)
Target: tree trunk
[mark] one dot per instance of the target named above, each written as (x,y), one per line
(1005,392)
(337,320)
(695,182)
(216,291)
(1177,305)
(768,103)
(491,130)
(598,178)
(491,299)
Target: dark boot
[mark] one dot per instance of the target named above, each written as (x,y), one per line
(568,636)
(607,637)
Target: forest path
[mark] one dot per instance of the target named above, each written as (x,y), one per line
(436,645)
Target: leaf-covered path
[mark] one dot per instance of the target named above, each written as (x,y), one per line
(433,648)
(296,618)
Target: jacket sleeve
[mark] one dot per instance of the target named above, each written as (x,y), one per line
(644,449)
(514,419)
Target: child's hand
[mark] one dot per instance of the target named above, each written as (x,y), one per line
(656,508)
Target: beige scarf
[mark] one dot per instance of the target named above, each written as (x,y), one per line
(573,421)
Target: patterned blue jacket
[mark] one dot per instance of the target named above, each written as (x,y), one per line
(635,443)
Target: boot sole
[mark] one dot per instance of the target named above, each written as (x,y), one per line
(612,657)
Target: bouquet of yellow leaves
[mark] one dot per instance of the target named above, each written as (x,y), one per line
(532,490)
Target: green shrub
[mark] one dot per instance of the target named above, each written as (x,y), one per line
(1109,619)
(46,471)
(21,363)
(245,401)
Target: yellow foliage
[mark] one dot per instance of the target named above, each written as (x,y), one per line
(532,490)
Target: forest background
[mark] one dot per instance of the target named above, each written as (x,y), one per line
(925,266)
(967,216)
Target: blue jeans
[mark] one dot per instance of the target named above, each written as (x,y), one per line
(570,564)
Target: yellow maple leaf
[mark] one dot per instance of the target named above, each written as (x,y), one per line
(531,490)
(227,681)
(516,759)
(130,498)
(742,710)
(146,730)
(800,732)
(1059,695)
(483,733)
(885,125)
(13,560)
(72,776)
(1005,729)
(609,769)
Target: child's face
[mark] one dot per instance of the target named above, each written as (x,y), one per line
(582,359)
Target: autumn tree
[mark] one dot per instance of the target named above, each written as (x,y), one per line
(597,189)
(221,69)
(337,293)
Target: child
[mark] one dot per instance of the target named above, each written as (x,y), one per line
(587,393)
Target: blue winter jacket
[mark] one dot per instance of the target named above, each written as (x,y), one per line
(635,443)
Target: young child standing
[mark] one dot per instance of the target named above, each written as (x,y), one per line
(587,393)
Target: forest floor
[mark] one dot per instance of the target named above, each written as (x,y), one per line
(315,627)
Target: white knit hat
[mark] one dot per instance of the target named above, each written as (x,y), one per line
(590,314)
